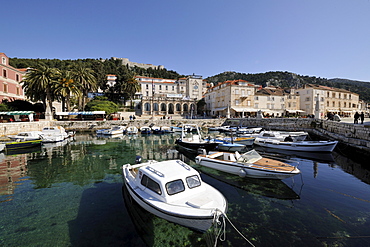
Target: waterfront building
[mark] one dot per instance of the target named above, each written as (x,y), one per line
(276,102)
(325,99)
(168,97)
(233,98)
(10,79)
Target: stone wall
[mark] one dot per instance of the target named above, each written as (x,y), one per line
(16,127)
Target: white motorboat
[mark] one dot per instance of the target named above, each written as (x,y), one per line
(145,130)
(53,134)
(174,191)
(167,129)
(131,130)
(26,136)
(113,131)
(308,146)
(281,135)
(194,141)
(250,164)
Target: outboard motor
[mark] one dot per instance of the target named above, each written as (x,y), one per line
(138,159)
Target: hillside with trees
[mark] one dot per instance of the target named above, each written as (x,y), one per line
(288,80)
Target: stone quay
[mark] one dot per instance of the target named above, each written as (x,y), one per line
(353,135)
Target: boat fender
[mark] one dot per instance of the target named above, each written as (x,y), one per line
(242,173)
(197,160)
(138,159)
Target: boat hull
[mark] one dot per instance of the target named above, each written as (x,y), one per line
(22,144)
(197,145)
(231,147)
(307,146)
(198,223)
(238,169)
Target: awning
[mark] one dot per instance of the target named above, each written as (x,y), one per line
(220,109)
(80,113)
(270,111)
(243,109)
(292,111)
(16,112)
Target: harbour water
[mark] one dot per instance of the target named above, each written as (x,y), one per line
(71,194)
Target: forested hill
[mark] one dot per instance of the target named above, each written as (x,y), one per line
(101,67)
(288,79)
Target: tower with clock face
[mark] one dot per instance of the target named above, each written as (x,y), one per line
(194,87)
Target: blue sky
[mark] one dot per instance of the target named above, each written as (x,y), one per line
(322,38)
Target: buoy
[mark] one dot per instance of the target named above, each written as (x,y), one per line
(242,173)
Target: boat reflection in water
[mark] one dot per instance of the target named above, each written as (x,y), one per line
(266,187)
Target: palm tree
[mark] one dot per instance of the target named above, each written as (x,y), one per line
(131,86)
(86,80)
(66,88)
(38,84)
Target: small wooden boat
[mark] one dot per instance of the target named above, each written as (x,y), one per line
(250,164)
(174,191)
(192,141)
(307,146)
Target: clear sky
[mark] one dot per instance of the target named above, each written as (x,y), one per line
(322,38)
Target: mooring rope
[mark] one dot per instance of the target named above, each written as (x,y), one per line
(222,231)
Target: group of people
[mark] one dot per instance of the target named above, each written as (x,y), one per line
(359,116)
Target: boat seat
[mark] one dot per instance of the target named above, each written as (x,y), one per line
(232,157)
(196,138)
(237,155)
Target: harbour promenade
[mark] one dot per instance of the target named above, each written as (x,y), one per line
(348,133)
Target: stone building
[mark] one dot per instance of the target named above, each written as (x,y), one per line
(126,61)
(316,99)
(10,79)
(276,101)
(231,98)
(168,97)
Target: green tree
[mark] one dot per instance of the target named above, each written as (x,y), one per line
(102,104)
(86,80)
(39,82)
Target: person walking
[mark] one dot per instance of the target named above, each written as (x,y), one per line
(356,118)
(362,117)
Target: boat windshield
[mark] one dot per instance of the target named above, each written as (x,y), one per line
(193,181)
(250,157)
(175,187)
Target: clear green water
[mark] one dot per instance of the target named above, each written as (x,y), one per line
(71,195)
